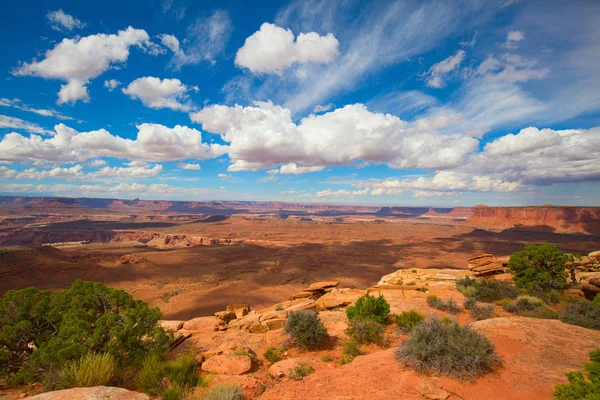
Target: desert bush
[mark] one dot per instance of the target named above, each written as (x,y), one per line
(539,267)
(172,393)
(541,312)
(469,303)
(300,370)
(326,358)
(370,307)
(408,320)
(65,325)
(597,300)
(366,331)
(305,328)
(89,370)
(583,313)
(345,359)
(157,377)
(444,347)
(448,306)
(477,311)
(351,349)
(486,290)
(225,392)
(528,303)
(551,296)
(273,354)
(583,385)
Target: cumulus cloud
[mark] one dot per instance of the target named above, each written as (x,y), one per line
(72,61)
(17,123)
(46,112)
(436,76)
(225,177)
(206,39)
(512,39)
(192,167)
(273,49)
(61,21)
(157,93)
(265,136)
(293,169)
(319,108)
(154,142)
(111,84)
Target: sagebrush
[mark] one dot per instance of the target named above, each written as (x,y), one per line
(305,328)
(486,290)
(366,331)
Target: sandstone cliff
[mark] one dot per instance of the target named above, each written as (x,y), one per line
(562,219)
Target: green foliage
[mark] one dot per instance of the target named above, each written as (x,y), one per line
(583,385)
(528,303)
(583,313)
(172,393)
(222,392)
(366,331)
(408,320)
(273,354)
(597,300)
(486,290)
(326,358)
(370,307)
(345,359)
(351,349)
(305,328)
(158,377)
(300,370)
(477,311)
(444,347)
(89,370)
(539,267)
(448,306)
(65,325)
(541,312)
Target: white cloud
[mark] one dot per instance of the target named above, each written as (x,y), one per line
(97,163)
(206,39)
(76,173)
(225,177)
(17,123)
(154,142)
(333,193)
(16,103)
(273,49)
(265,136)
(157,93)
(438,72)
(293,169)
(77,61)
(192,167)
(319,108)
(512,39)
(111,84)
(61,21)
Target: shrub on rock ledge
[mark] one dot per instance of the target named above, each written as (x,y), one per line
(539,267)
(305,328)
(408,320)
(486,290)
(366,331)
(444,347)
(370,307)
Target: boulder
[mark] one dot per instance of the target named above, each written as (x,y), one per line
(173,326)
(282,368)
(431,389)
(302,304)
(340,298)
(591,288)
(227,364)
(318,286)
(200,324)
(240,310)
(595,255)
(92,393)
(274,324)
(302,295)
(225,315)
(275,314)
(257,327)
(488,264)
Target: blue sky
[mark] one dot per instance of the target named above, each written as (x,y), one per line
(393,103)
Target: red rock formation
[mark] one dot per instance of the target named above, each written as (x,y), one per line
(462,212)
(561,219)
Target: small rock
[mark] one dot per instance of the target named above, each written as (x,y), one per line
(173,326)
(282,368)
(274,324)
(228,364)
(281,314)
(200,324)
(225,315)
(432,389)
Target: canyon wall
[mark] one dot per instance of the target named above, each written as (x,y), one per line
(561,219)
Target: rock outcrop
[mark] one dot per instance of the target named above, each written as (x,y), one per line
(488,264)
(92,393)
(228,364)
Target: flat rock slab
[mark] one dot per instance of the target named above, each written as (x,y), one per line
(92,393)
(321,286)
(227,364)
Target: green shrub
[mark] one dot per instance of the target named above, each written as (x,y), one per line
(370,307)
(528,303)
(482,312)
(65,325)
(539,267)
(89,370)
(583,313)
(305,328)
(326,358)
(597,300)
(470,303)
(300,370)
(351,349)
(582,385)
(408,320)
(225,392)
(273,354)
(366,331)
(486,290)
(345,359)
(541,312)
(172,393)
(448,306)
(156,376)
(444,347)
